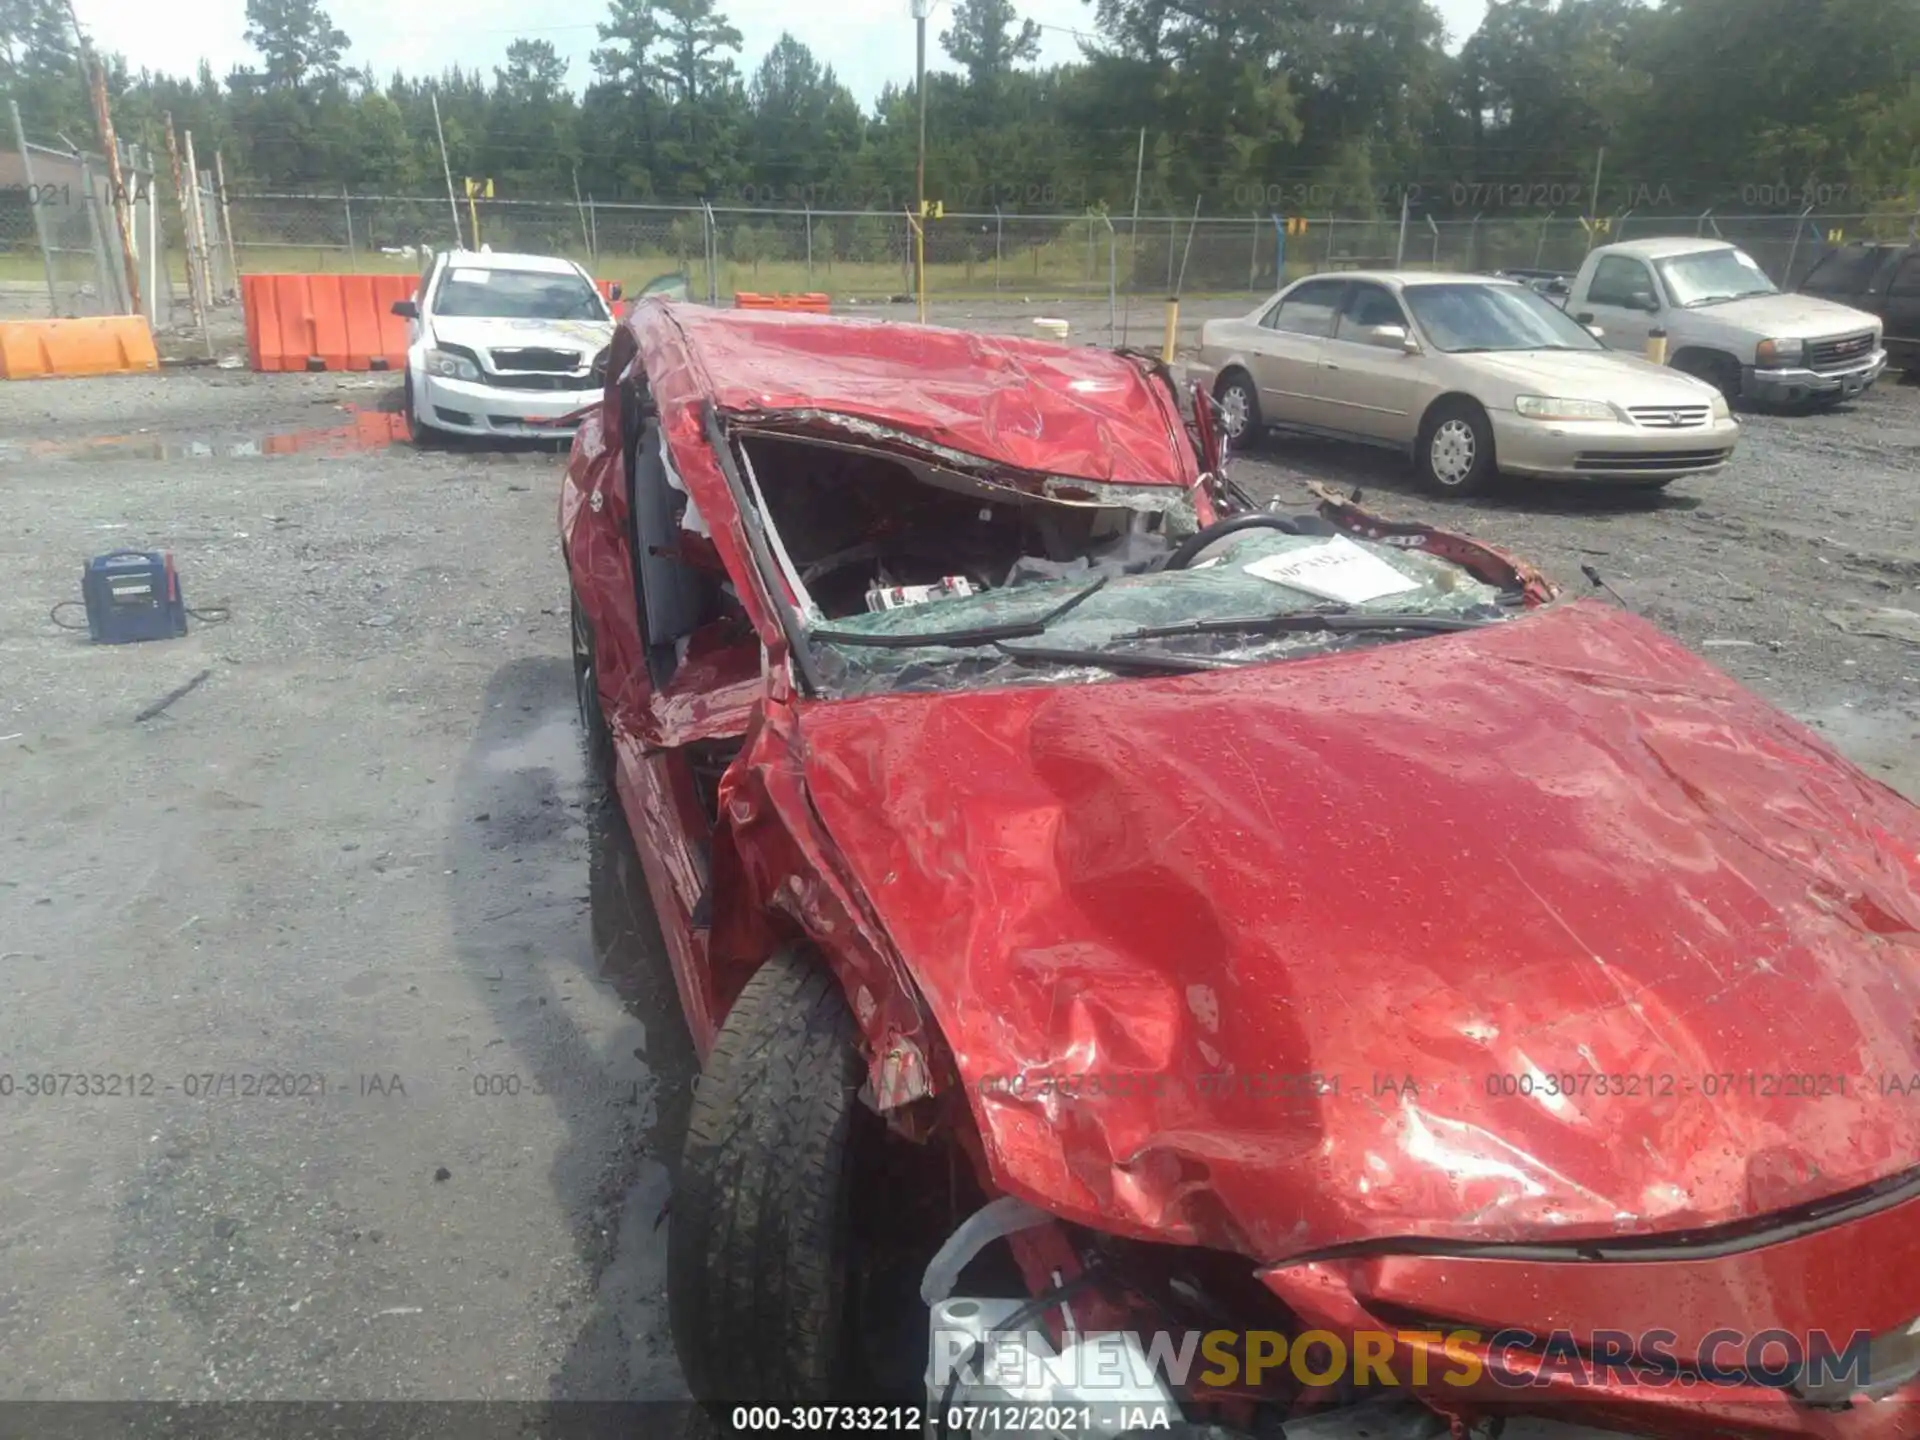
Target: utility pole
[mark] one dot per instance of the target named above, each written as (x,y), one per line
(446,167)
(103,124)
(1594,212)
(921,9)
(1133,237)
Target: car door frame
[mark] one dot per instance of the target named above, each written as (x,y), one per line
(1394,427)
(417,325)
(1627,326)
(1297,405)
(1904,341)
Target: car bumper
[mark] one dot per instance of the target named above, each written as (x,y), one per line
(1792,385)
(1585,450)
(463,407)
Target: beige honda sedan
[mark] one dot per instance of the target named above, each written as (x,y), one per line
(1471,376)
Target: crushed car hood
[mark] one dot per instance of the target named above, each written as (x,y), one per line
(1557,913)
(585,337)
(1046,409)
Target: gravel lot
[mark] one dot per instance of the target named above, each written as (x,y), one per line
(361,849)
(1796,569)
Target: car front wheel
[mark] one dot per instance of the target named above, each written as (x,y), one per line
(1456,449)
(586,696)
(421,432)
(760,1237)
(1239,409)
(1720,371)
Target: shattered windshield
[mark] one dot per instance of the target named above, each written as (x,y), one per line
(1256,596)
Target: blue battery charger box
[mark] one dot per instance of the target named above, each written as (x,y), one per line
(133,595)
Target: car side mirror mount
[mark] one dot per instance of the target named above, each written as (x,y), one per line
(406,309)
(1390,337)
(1585,317)
(613,291)
(1644,300)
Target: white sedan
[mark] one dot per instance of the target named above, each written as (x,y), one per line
(498,345)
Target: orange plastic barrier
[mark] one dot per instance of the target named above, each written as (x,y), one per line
(618,307)
(811,303)
(107,345)
(325,322)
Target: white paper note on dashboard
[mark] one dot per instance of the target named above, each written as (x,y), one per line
(1337,569)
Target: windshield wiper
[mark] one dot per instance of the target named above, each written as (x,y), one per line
(1336,621)
(1125,661)
(978,635)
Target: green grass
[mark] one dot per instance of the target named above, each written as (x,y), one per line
(1052,270)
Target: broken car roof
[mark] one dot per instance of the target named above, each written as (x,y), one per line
(1075,411)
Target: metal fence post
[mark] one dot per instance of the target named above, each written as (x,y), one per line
(1253,259)
(155,269)
(809,215)
(1113,278)
(103,272)
(226,220)
(1794,254)
(353,257)
(1541,248)
(33,204)
(713,255)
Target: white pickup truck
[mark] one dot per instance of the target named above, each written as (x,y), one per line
(1726,322)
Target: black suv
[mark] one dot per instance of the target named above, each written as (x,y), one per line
(1883,280)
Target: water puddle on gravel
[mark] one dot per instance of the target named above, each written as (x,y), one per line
(363,430)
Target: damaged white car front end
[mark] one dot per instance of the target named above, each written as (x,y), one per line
(504,346)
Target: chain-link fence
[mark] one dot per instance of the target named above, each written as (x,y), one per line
(866,255)
(852,255)
(57,232)
(63,254)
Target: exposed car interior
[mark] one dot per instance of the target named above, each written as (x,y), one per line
(854,524)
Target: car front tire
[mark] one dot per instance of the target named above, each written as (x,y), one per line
(1719,371)
(421,432)
(1455,454)
(586,694)
(761,1231)
(1239,401)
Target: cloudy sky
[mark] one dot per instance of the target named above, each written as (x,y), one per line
(869,42)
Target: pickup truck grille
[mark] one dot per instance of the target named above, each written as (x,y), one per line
(1638,462)
(1671,417)
(1838,354)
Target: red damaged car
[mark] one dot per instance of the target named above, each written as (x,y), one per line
(1254,965)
